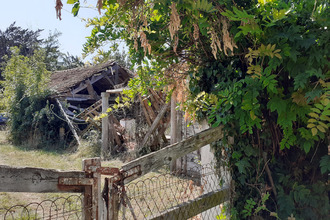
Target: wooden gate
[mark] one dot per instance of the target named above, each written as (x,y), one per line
(104,204)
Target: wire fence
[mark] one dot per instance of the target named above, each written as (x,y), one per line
(65,208)
(155,194)
(150,197)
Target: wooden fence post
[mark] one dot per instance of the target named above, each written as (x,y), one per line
(105,126)
(114,201)
(93,202)
(173,127)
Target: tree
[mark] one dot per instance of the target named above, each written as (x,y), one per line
(68,61)
(29,41)
(26,40)
(260,68)
(25,98)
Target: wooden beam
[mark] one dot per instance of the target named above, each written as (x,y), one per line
(157,97)
(192,208)
(96,78)
(105,126)
(109,80)
(81,96)
(149,109)
(156,123)
(38,180)
(81,87)
(113,132)
(73,130)
(145,111)
(116,91)
(91,90)
(164,156)
(173,126)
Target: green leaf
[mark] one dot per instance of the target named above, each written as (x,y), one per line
(311,125)
(242,165)
(325,118)
(71,1)
(75,9)
(307,146)
(277,104)
(314,131)
(319,106)
(325,164)
(316,110)
(321,128)
(236,155)
(312,114)
(326,112)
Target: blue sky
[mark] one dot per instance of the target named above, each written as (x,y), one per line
(40,14)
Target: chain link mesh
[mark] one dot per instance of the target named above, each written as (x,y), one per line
(161,193)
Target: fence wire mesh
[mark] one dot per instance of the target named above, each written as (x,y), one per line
(162,193)
(65,208)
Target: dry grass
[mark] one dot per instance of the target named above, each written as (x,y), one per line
(22,157)
(18,156)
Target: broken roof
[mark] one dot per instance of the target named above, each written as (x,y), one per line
(62,81)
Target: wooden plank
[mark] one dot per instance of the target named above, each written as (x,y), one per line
(105,127)
(109,80)
(76,99)
(174,126)
(81,87)
(85,96)
(145,111)
(91,90)
(149,109)
(73,130)
(96,78)
(194,207)
(157,97)
(154,103)
(29,179)
(116,91)
(156,123)
(113,132)
(164,156)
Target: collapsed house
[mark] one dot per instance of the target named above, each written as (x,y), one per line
(79,91)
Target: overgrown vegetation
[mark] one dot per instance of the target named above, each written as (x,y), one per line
(25,99)
(260,68)
(25,64)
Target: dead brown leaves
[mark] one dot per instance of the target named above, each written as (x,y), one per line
(196,33)
(99,5)
(144,43)
(174,25)
(215,42)
(58,8)
(228,41)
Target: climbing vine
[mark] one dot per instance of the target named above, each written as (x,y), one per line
(261,69)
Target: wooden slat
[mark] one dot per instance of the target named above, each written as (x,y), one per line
(96,78)
(157,97)
(145,111)
(164,156)
(28,179)
(81,87)
(194,207)
(91,90)
(109,80)
(156,123)
(115,91)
